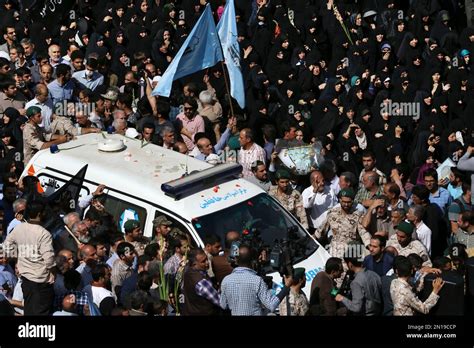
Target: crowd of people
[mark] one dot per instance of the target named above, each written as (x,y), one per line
(382,88)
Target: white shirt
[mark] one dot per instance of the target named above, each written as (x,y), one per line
(423,233)
(317,203)
(18,295)
(12,225)
(99,293)
(194,152)
(335,185)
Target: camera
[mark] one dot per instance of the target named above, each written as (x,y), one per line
(345,289)
(281,258)
(142,73)
(252,239)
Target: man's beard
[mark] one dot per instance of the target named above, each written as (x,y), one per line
(84,239)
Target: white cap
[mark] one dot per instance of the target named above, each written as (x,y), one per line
(131,133)
(213,159)
(156,79)
(4,54)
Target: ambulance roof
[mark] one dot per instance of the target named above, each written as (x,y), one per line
(141,170)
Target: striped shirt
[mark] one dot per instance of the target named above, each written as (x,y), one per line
(247,157)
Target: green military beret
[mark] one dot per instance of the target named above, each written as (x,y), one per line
(406,227)
(348,192)
(282,174)
(298,273)
(130,225)
(33,110)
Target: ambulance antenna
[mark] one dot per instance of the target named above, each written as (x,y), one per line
(186,168)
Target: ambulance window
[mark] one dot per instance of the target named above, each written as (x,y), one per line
(123,211)
(177,227)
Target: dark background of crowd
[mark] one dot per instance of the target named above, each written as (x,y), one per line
(302,73)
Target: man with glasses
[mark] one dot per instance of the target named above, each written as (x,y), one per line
(192,122)
(9,35)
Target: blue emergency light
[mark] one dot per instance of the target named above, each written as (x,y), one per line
(196,182)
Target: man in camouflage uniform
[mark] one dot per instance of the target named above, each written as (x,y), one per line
(63,125)
(405,302)
(133,235)
(289,198)
(346,225)
(405,245)
(35,138)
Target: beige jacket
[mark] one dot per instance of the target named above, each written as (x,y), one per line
(33,245)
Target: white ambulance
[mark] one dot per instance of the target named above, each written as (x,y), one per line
(145,181)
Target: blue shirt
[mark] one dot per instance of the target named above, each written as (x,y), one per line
(455,192)
(442,198)
(7,277)
(95,81)
(58,93)
(244,293)
(86,275)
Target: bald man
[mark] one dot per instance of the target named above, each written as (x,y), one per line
(180,147)
(54,52)
(89,258)
(204,144)
(45,103)
(220,264)
(317,199)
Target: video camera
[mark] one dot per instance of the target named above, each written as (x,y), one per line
(284,251)
(345,289)
(252,239)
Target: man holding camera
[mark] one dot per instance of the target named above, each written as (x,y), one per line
(245,293)
(366,288)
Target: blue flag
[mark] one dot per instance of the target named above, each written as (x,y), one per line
(200,51)
(227,30)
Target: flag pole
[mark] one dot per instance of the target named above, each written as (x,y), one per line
(227,86)
(72,235)
(226,82)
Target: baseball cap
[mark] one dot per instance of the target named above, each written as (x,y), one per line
(464,53)
(162,220)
